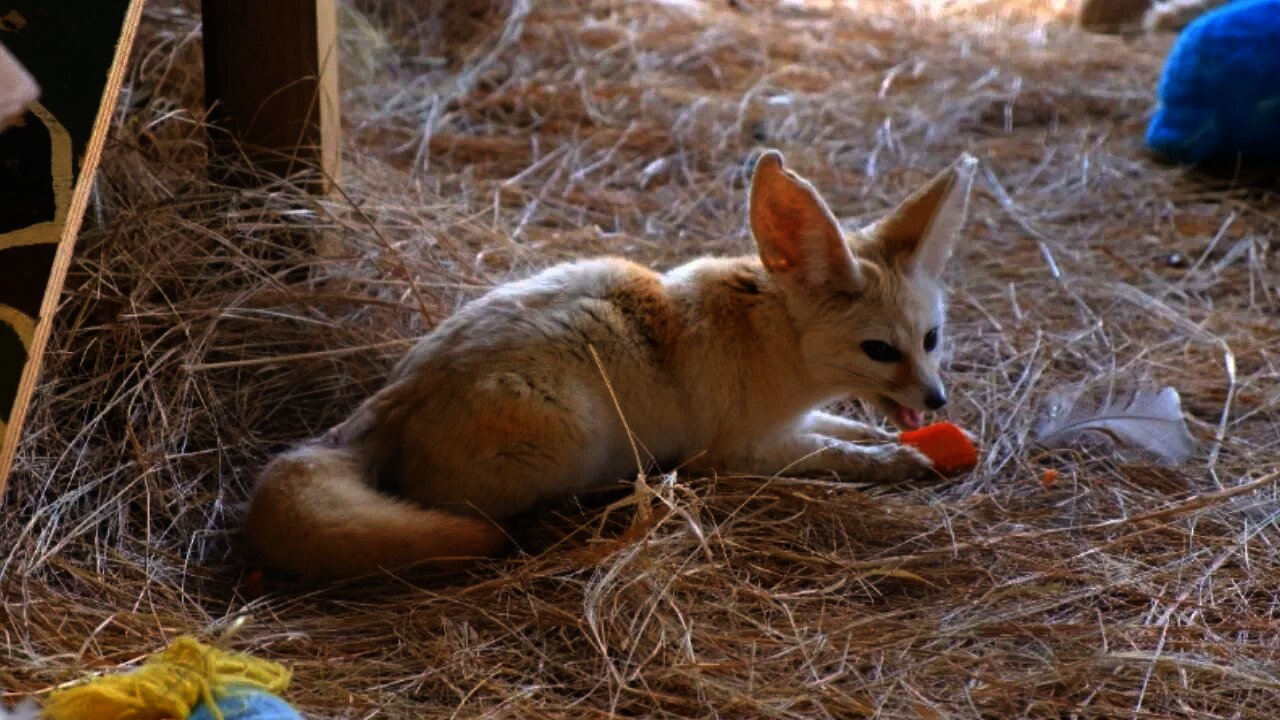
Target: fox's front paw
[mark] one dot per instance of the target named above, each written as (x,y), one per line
(875,434)
(897,463)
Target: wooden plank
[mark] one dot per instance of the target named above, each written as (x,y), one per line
(47,163)
(271,83)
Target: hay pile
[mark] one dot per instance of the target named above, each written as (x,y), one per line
(204,328)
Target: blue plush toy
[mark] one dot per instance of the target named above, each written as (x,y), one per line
(1220,93)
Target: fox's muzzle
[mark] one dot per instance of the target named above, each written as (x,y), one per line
(935,398)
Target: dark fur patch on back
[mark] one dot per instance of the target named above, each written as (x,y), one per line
(646,309)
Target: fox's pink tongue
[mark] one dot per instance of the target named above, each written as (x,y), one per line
(908,419)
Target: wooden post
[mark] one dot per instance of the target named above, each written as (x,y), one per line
(271,82)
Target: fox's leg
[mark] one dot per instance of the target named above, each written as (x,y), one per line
(807,452)
(824,423)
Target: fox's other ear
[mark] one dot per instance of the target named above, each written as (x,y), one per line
(922,230)
(794,230)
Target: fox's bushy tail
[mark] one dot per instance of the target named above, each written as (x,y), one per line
(315,513)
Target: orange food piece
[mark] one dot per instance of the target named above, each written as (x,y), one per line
(945,444)
(1049,477)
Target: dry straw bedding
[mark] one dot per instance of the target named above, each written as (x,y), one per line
(205,327)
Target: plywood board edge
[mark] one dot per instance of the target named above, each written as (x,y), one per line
(66,242)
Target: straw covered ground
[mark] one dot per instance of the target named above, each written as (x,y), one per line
(204,328)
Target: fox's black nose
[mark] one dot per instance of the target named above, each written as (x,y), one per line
(935,399)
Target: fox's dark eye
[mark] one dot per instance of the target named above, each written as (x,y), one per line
(881,351)
(931,340)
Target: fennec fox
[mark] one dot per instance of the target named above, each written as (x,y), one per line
(720,363)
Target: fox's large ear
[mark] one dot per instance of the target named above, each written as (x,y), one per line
(922,230)
(794,230)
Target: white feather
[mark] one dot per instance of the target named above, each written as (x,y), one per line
(25,710)
(1174,15)
(1139,417)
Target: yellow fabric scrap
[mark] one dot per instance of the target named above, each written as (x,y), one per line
(167,686)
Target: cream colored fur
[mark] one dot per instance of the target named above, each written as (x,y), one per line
(721,363)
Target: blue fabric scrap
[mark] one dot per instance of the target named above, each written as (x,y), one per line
(244,702)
